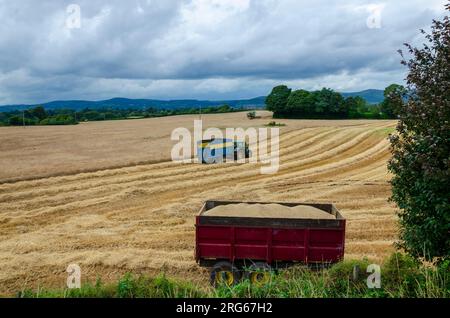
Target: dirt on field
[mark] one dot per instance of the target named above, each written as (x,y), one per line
(140,218)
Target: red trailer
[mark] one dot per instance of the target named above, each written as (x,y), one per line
(233,246)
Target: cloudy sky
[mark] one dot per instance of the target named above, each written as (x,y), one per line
(206,49)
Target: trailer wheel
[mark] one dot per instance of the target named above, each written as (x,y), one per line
(259,274)
(224,273)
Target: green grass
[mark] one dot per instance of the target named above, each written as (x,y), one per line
(129,286)
(402,277)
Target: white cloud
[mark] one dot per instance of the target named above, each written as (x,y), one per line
(201,48)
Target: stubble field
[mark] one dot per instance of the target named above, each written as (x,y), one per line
(105,195)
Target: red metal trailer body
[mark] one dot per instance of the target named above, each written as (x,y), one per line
(273,241)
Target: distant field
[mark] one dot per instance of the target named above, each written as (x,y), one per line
(35,152)
(140,218)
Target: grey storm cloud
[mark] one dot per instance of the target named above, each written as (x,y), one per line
(201,48)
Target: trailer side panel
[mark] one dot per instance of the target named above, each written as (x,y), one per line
(307,245)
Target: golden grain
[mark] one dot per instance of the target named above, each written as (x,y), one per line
(105,196)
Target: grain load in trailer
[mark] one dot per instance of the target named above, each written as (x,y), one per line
(269,211)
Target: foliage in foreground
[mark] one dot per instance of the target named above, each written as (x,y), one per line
(421,148)
(129,286)
(401,276)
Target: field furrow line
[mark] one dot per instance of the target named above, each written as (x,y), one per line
(294,136)
(149,188)
(181,173)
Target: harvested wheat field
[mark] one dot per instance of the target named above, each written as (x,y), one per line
(119,216)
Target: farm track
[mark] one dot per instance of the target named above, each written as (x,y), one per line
(140,218)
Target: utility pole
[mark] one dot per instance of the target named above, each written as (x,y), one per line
(23,118)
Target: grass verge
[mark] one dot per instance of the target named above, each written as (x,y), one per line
(401,277)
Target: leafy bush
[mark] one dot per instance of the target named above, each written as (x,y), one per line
(341,280)
(401,273)
(421,149)
(275,124)
(59,120)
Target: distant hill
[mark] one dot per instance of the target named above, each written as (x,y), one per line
(125,103)
(372,96)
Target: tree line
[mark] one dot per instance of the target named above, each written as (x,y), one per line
(328,104)
(40,116)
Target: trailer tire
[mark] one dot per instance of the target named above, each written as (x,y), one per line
(225,273)
(259,274)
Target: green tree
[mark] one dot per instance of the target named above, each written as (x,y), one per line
(361,105)
(38,112)
(60,119)
(328,103)
(92,115)
(321,99)
(352,107)
(152,110)
(224,109)
(3,119)
(339,106)
(15,120)
(421,148)
(393,100)
(300,102)
(278,99)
